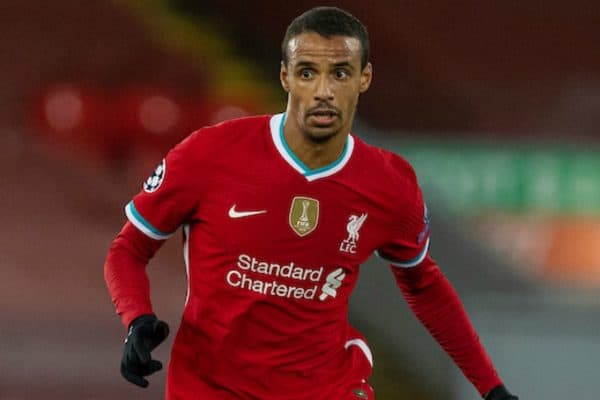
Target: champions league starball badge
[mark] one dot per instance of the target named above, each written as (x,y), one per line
(154,181)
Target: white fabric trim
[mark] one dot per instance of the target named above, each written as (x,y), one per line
(275,124)
(339,166)
(141,225)
(363,346)
(186,259)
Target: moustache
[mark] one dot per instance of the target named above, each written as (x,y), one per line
(323,109)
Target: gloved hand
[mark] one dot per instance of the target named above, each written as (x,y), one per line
(145,333)
(500,393)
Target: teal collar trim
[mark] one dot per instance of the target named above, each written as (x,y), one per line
(318,172)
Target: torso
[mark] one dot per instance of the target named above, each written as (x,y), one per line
(274,254)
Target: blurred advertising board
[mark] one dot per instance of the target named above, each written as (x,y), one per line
(539,207)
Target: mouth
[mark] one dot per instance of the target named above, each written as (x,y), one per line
(323,117)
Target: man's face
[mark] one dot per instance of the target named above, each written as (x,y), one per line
(323,79)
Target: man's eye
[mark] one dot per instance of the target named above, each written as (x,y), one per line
(306,74)
(341,74)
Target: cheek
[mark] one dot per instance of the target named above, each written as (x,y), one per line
(296,107)
(297,100)
(351,100)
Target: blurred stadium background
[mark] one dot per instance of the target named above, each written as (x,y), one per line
(496,104)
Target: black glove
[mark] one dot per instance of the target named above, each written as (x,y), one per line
(500,393)
(145,333)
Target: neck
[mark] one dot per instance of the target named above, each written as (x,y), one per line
(314,154)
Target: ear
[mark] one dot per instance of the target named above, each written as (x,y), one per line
(283,77)
(365,77)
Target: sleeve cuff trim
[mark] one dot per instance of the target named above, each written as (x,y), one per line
(408,263)
(144,226)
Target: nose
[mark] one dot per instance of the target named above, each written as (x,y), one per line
(324,90)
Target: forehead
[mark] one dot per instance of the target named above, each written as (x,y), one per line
(310,46)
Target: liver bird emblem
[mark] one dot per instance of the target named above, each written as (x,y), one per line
(354,224)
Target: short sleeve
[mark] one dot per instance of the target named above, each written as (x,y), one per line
(168,197)
(409,242)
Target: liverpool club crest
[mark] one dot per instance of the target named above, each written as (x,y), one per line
(354,224)
(304,215)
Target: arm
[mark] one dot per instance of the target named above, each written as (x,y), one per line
(167,200)
(435,303)
(125,276)
(430,296)
(125,272)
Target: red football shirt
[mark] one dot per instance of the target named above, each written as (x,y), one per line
(272,250)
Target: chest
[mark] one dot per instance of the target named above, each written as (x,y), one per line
(327,222)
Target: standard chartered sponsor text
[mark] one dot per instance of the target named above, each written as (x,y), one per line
(263,278)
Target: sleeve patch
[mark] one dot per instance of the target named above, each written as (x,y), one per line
(156,179)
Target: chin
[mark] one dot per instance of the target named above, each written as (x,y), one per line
(320,135)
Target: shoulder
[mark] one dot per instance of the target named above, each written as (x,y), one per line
(227,135)
(389,178)
(386,164)
(399,192)
(233,125)
(230,130)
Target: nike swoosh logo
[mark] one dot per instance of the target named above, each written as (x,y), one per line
(241,214)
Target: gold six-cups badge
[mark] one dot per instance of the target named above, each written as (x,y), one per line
(304,215)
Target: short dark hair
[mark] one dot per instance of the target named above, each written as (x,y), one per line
(327,22)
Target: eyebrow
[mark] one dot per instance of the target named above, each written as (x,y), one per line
(343,64)
(305,64)
(313,64)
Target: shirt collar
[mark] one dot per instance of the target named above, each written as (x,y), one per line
(284,150)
